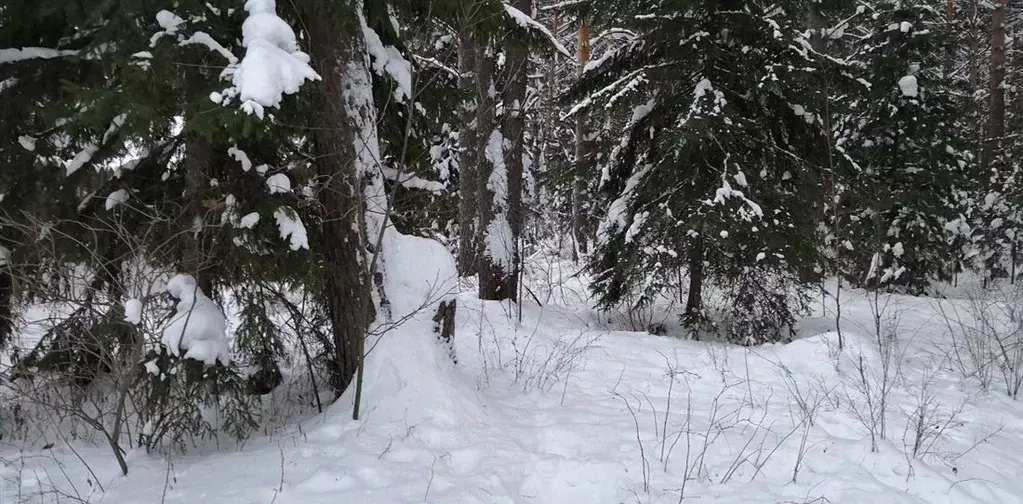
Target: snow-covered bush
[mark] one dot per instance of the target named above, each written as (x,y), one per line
(764,306)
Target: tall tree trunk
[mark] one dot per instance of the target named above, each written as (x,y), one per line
(492,234)
(996,111)
(583,153)
(514,126)
(469,155)
(336,47)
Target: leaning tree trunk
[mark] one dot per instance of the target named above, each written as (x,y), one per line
(469,156)
(583,155)
(996,110)
(516,75)
(336,47)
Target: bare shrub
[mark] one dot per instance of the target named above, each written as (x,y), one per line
(929,421)
(872,386)
(987,337)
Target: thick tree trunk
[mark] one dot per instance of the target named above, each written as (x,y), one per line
(583,155)
(469,156)
(516,75)
(996,110)
(335,43)
(491,236)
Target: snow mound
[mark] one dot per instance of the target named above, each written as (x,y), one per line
(420,274)
(408,373)
(198,328)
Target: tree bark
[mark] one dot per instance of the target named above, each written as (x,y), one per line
(335,43)
(6,305)
(514,126)
(469,157)
(489,240)
(996,111)
(694,304)
(198,157)
(583,154)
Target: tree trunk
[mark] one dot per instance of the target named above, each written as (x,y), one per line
(996,111)
(198,157)
(469,156)
(694,305)
(335,43)
(6,305)
(492,236)
(583,154)
(514,126)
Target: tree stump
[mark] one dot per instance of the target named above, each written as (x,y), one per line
(444,326)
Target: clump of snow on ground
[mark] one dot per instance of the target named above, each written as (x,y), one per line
(198,328)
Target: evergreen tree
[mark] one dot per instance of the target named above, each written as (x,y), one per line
(715,172)
(901,167)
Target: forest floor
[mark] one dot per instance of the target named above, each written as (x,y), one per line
(564,406)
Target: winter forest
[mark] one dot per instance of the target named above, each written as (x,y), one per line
(511,251)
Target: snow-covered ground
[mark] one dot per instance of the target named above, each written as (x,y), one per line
(564,407)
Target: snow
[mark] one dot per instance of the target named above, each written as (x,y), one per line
(273,65)
(387,60)
(240,156)
(485,431)
(740,178)
(249,221)
(523,20)
(116,198)
(278,183)
(85,155)
(28,143)
(198,329)
(908,86)
(497,239)
(291,228)
(169,21)
(133,311)
(12,55)
(204,39)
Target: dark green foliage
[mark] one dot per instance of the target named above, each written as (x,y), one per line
(717,154)
(901,161)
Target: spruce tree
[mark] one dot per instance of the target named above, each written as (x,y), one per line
(715,175)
